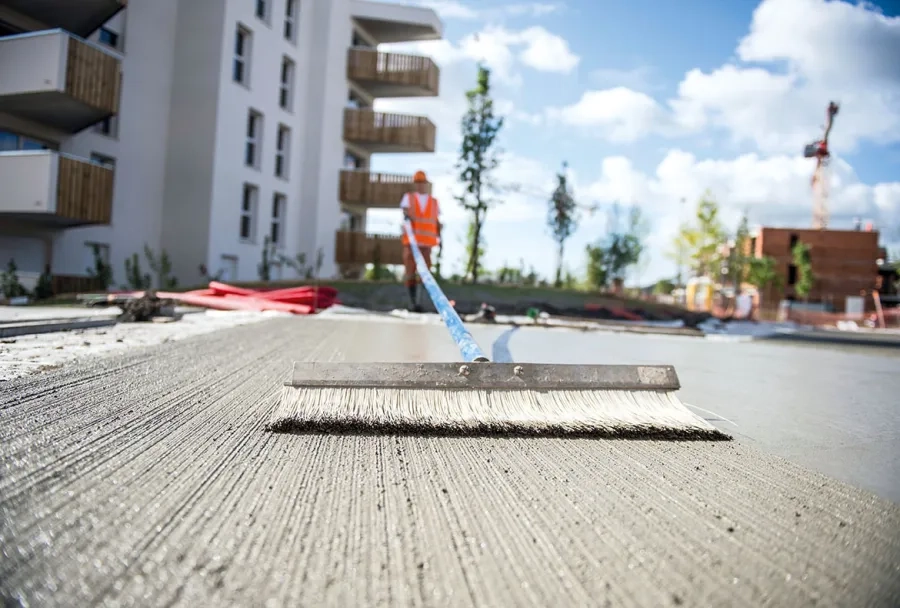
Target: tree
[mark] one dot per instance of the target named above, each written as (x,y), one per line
(761,273)
(596,266)
(704,238)
(803,262)
(562,219)
(739,262)
(102,271)
(475,249)
(664,287)
(478,157)
(620,249)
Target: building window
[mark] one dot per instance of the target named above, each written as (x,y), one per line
(279,204)
(262,10)
(290,19)
(13,142)
(286,89)
(794,239)
(792,275)
(109,37)
(249,204)
(351,161)
(242,43)
(109,126)
(281,151)
(254,137)
(101,159)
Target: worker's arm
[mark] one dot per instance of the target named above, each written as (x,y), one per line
(404,207)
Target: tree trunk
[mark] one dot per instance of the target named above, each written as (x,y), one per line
(559,264)
(476,241)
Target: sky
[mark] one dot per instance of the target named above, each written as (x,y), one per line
(652,103)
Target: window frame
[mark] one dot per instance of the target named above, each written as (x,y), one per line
(249,210)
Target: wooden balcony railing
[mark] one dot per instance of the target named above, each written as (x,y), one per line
(382,132)
(84,191)
(56,188)
(374,190)
(362,248)
(393,74)
(92,76)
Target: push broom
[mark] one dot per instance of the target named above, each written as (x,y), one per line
(478,397)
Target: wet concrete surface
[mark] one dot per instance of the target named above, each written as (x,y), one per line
(147,479)
(835,410)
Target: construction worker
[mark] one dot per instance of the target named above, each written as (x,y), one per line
(422,211)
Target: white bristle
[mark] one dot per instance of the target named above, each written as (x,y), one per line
(602,413)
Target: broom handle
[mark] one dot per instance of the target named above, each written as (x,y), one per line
(468,348)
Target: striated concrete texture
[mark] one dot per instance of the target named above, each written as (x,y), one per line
(147,479)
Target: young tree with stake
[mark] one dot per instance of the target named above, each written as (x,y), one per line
(562,219)
(478,157)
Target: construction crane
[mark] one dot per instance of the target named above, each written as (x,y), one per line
(820,179)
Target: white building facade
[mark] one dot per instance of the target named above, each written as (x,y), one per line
(205,130)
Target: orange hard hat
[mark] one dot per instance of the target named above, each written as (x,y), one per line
(420,177)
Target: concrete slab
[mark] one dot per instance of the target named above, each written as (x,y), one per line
(148,479)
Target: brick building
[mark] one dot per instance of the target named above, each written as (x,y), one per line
(844,263)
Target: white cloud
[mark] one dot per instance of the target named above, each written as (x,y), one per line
(637,79)
(824,50)
(619,114)
(546,52)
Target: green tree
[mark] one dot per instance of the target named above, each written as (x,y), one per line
(805,277)
(562,219)
(9,281)
(703,239)
(478,158)
(475,250)
(664,287)
(269,254)
(761,273)
(102,271)
(596,266)
(739,261)
(620,249)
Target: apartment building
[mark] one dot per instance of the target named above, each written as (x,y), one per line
(202,129)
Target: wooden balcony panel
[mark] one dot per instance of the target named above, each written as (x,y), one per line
(361,248)
(84,192)
(393,74)
(55,189)
(93,77)
(374,190)
(383,132)
(59,80)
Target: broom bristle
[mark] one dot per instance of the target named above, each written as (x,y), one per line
(593,413)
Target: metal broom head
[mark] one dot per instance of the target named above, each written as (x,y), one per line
(615,401)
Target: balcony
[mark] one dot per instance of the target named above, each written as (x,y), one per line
(380,132)
(81,17)
(55,188)
(59,80)
(396,22)
(374,190)
(393,74)
(362,248)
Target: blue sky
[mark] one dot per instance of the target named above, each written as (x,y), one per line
(653,102)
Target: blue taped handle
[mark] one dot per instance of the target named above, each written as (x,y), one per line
(468,348)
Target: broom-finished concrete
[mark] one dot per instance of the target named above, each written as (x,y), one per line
(149,480)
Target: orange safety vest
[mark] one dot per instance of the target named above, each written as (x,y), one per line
(424,223)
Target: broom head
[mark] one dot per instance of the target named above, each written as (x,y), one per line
(615,401)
